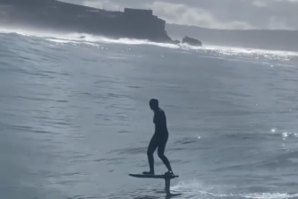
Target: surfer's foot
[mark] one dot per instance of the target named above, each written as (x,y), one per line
(169,173)
(148,173)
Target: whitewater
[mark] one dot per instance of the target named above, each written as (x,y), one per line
(75,120)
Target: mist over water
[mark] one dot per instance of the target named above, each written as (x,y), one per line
(75,118)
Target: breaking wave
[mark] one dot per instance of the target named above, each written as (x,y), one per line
(245,54)
(81,38)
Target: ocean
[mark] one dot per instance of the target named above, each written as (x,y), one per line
(75,119)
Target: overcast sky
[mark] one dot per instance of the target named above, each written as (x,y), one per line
(227,14)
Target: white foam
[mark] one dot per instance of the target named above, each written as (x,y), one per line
(270,196)
(249,54)
(195,189)
(77,38)
(209,50)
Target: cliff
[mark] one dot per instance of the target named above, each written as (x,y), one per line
(59,16)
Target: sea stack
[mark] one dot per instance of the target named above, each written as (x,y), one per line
(191,41)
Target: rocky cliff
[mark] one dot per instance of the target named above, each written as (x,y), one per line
(59,16)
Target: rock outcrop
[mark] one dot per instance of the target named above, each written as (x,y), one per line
(191,41)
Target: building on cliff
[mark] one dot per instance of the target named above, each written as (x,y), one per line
(59,16)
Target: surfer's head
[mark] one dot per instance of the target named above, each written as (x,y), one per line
(153,104)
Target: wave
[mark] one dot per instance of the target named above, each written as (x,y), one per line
(248,54)
(82,38)
(195,189)
(251,53)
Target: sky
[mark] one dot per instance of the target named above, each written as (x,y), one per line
(222,14)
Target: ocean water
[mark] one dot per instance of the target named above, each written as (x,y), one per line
(75,120)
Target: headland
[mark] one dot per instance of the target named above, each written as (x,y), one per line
(59,16)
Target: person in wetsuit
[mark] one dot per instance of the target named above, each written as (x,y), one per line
(159,138)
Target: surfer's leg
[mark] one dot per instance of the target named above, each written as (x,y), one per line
(161,154)
(151,148)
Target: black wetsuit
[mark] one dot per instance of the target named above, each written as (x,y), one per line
(159,140)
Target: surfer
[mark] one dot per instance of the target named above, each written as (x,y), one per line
(159,138)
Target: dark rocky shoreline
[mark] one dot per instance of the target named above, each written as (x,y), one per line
(59,16)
